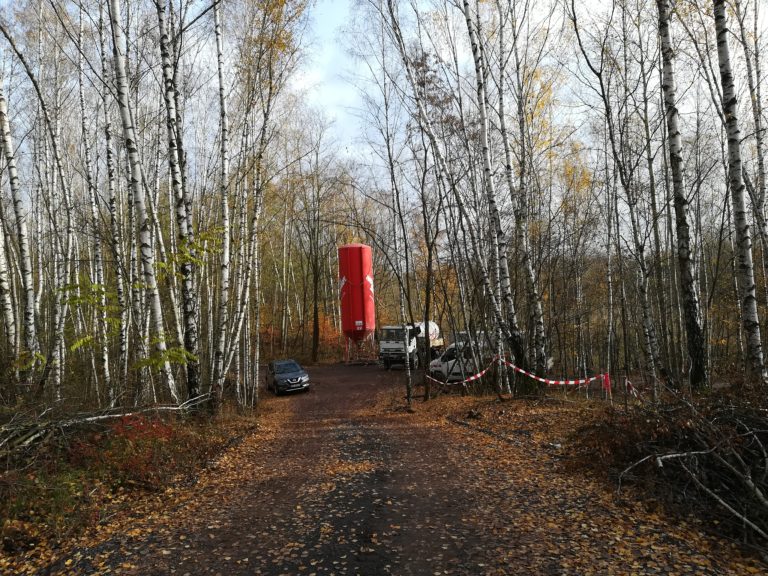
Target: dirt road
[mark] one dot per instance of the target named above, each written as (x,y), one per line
(340,481)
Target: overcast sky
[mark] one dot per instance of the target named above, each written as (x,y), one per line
(324,74)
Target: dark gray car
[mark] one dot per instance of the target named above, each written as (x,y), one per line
(286,376)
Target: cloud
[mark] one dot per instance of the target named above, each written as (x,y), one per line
(322,78)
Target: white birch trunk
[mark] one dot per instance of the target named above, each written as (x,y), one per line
(520,199)
(242,276)
(144,224)
(223,324)
(745,268)
(752,62)
(31,345)
(609,268)
(6,296)
(98,256)
(497,236)
(697,350)
(114,221)
(187,249)
(753,83)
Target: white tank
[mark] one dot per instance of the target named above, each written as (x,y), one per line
(434,330)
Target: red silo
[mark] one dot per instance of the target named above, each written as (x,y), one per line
(358,313)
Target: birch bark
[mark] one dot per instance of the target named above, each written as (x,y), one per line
(520,197)
(114,221)
(98,256)
(22,235)
(745,268)
(656,265)
(187,249)
(6,296)
(144,224)
(754,81)
(498,238)
(223,322)
(697,350)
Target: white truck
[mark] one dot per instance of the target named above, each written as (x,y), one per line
(400,343)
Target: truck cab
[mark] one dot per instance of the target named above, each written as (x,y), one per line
(397,344)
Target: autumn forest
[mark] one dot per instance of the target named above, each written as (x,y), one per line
(582,183)
(590,185)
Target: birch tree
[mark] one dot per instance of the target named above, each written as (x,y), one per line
(6,299)
(518,16)
(137,189)
(183,206)
(217,385)
(625,165)
(22,234)
(697,350)
(750,319)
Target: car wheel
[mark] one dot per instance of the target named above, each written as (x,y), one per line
(387,363)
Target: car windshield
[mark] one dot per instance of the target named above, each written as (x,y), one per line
(392,334)
(286,367)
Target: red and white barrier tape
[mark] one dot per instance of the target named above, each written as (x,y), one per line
(468,379)
(605,377)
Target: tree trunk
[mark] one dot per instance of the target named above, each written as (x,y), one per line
(114,222)
(137,188)
(497,236)
(521,217)
(217,386)
(187,249)
(519,198)
(6,297)
(756,192)
(97,280)
(658,261)
(697,350)
(755,363)
(31,345)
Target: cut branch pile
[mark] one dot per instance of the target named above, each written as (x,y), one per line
(21,434)
(710,458)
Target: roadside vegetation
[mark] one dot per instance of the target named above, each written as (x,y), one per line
(78,476)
